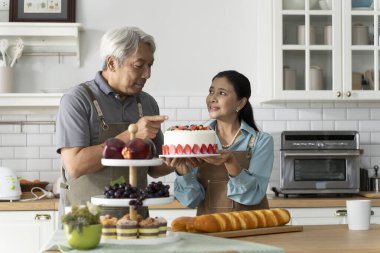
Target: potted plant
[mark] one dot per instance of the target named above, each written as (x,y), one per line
(82,227)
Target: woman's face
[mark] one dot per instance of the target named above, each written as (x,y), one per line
(222,100)
(130,77)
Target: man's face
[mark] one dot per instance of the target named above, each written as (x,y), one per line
(130,77)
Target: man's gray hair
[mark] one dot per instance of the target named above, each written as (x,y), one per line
(122,42)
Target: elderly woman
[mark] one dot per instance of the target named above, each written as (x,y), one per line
(102,108)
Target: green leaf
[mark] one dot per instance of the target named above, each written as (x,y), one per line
(120,180)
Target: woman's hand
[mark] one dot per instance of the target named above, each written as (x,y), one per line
(227,158)
(181,165)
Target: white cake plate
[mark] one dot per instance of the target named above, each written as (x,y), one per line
(170,237)
(189,155)
(128,162)
(103,201)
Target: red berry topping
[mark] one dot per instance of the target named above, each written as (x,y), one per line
(187,149)
(196,149)
(204,149)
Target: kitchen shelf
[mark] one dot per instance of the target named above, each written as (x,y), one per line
(44,39)
(30,99)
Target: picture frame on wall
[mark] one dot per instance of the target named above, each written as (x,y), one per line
(42,11)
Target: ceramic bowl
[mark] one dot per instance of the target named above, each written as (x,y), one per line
(88,239)
(297,4)
(361,3)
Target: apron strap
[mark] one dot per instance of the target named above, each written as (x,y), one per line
(251,144)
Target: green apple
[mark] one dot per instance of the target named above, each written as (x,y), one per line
(88,239)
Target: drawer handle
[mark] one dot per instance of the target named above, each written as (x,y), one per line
(344,212)
(42,217)
(338,94)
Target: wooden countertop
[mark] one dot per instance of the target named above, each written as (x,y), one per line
(291,202)
(323,238)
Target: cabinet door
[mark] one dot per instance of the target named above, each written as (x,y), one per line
(361,50)
(307,50)
(25,231)
(316,216)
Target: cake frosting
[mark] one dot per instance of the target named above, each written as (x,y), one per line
(186,140)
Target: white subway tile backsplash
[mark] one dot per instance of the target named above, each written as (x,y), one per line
(34,155)
(189,114)
(358,114)
(334,114)
(17,164)
(310,114)
(298,125)
(39,164)
(285,114)
(369,126)
(39,139)
(197,102)
(26,152)
(346,125)
(13,139)
(263,114)
(176,102)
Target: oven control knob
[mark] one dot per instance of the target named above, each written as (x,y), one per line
(320,145)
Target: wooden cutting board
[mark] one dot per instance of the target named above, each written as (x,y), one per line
(258,231)
(371,195)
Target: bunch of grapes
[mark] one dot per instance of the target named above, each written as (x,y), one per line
(137,196)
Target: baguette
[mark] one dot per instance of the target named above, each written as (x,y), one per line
(229,221)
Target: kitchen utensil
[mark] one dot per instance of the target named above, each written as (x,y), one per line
(9,185)
(316,78)
(360,34)
(18,51)
(375,180)
(325,4)
(290,76)
(3,48)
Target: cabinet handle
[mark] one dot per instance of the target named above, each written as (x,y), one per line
(42,217)
(344,212)
(338,94)
(348,94)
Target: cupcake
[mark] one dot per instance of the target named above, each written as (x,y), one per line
(108,226)
(162,227)
(148,228)
(128,217)
(126,229)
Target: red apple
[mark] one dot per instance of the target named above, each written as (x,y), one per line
(139,149)
(113,148)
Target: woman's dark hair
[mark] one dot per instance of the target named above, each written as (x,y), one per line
(242,88)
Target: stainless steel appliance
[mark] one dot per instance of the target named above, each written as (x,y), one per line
(314,162)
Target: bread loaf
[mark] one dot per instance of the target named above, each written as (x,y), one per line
(229,221)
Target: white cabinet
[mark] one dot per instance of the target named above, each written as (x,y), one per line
(325,216)
(321,53)
(25,231)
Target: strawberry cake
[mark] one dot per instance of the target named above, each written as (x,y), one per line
(189,140)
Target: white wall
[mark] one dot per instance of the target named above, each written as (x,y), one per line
(195,40)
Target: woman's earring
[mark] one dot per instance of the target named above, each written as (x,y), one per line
(237,110)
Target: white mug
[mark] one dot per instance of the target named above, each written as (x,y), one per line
(360,35)
(328,35)
(358,214)
(316,78)
(290,76)
(301,35)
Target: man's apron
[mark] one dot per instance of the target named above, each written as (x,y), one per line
(214,179)
(80,190)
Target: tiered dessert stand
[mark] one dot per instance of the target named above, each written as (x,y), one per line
(133,167)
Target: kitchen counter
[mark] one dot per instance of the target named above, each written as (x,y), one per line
(323,239)
(291,202)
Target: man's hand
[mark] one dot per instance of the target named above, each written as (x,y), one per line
(148,126)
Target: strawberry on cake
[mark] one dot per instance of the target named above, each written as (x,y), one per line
(189,140)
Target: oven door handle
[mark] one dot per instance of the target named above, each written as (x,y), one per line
(353,153)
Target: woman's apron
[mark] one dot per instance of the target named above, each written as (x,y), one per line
(214,179)
(80,190)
